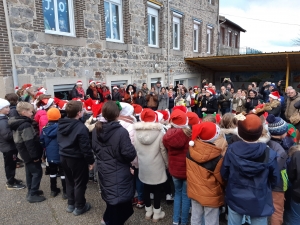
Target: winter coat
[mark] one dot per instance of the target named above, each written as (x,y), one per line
(204,182)
(114,152)
(106,95)
(13,111)
(221,143)
(265,93)
(211,104)
(281,160)
(141,101)
(144,91)
(26,140)
(116,96)
(273,107)
(240,104)
(127,122)
(163,101)
(293,171)
(41,118)
(224,100)
(130,98)
(252,104)
(157,90)
(89,92)
(73,140)
(49,141)
(172,101)
(290,108)
(250,169)
(152,101)
(75,94)
(152,155)
(6,136)
(229,133)
(177,145)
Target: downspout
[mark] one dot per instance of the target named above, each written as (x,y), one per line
(218,22)
(168,41)
(11,51)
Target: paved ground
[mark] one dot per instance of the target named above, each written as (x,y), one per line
(15,210)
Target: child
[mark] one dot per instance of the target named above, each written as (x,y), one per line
(30,149)
(76,157)
(249,168)
(204,182)
(278,129)
(176,141)
(8,148)
(49,140)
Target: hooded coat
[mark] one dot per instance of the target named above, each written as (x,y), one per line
(152,155)
(41,118)
(73,140)
(6,136)
(114,152)
(177,144)
(294,175)
(251,171)
(290,108)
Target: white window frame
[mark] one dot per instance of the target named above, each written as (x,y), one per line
(196,38)
(208,39)
(176,21)
(235,40)
(71,20)
(119,3)
(153,12)
(209,1)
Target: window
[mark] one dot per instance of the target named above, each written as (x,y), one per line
(63,91)
(229,38)
(176,31)
(236,40)
(223,35)
(208,39)
(113,20)
(153,24)
(59,17)
(196,36)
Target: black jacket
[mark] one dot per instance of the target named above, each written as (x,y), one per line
(13,111)
(75,94)
(141,101)
(25,138)
(294,175)
(252,104)
(73,140)
(89,92)
(224,100)
(6,136)
(116,96)
(114,153)
(211,105)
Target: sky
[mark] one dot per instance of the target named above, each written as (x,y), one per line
(265,36)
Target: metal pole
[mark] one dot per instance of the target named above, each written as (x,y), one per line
(287,76)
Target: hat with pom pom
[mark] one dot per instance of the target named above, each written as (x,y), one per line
(137,109)
(166,114)
(181,107)
(179,119)
(249,127)
(193,118)
(148,115)
(276,125)
(207,132)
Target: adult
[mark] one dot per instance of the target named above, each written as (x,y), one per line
(193,92)
(184,99)
(266,89)
(144,90)
(114,151)
(157,87)
(239,101)
(122,91)
(224,100)
(291,100)
(171,86)
(116,94)
(209,104)
(252,101)
(273,106)
(92,91)
(106,93)
(152,99)
(171,96)
(254,87)
(130,94)
(77,91)
(227,83)
(163,100)
(140,99)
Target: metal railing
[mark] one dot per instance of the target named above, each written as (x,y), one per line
(226,50)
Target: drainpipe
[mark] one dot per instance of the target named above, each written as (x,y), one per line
(168,41)
(11,50)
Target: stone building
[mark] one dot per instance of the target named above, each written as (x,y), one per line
(57,42)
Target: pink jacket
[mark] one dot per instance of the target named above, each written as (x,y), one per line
(41,118)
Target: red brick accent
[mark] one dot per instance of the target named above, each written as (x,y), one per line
(102,15)
(5,60)
(126,22)
(38,23)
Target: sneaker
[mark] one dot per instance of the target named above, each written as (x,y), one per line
(18,181)
(175,223)
(85,208)
(169,197)
(95,181)
(102,222)
(64,196)
(140,204)
(70,208)
(135,201)
(91,178)
(39,192)
(151,196)
(55,192)
(15,186)
(35,198)
(19,165)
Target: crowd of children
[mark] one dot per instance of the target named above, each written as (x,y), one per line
(245,165)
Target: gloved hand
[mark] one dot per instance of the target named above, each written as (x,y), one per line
(90,124)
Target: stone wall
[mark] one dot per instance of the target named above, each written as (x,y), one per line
(41,57)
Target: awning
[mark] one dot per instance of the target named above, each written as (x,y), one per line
(255,62)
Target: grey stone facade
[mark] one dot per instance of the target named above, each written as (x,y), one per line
(47,59)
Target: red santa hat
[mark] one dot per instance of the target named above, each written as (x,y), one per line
(165,113)
(91,82)
(206,86)
(88,104)
(148,115)
(79,82)
(196,87)
(115,87)
(181,107)
(38,94)
(211,91)
(62,104)
(193,118)
(98,83)
(137,109)
(275,95)
(42,89)
(218,118)
(78,99)
(26,86)
(46,102)
(207,132)
(179,119)
(97,108)
(159,117)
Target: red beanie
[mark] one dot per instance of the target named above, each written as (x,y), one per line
(181,107)
(179,119)
(148,115)
(193,118)
(206,131)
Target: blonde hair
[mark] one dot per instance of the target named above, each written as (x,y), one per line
(228,121)
(209,118)
(24,106)
(293,149)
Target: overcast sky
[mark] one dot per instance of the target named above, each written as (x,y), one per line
(265,36)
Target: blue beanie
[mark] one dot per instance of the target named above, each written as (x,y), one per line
(276,125)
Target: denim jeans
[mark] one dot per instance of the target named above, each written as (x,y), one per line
(224,110)
(181,202)
(234,218)
(139,185)
(292,215)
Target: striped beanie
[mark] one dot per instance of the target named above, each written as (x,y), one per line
(276,125)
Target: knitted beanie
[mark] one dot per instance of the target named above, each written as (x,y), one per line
(53,114)
(206,131)
(3,103)
(276,125)
(249,127)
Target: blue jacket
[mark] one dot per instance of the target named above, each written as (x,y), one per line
(251,171)
(48,139)
(114,152)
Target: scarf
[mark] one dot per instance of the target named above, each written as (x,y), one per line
(95,92)
(81,92)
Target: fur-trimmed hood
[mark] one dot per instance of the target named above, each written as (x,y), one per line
(146,132)
(133,88)
(229,131)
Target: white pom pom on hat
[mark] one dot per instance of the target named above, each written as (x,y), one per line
(191,143)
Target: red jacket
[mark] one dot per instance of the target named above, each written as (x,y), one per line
(177,144)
